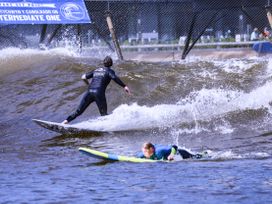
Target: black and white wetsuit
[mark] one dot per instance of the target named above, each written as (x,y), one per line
(101,78)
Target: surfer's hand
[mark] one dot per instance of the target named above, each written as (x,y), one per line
(86,81)
(170,157)
(127,90)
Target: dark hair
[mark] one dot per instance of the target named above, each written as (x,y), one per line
(107,61)
(148,145)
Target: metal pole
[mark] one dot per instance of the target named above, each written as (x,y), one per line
(53,34)
(79,37)
(43,33)
(253,21)
(269,14)
(189,36)
(100,33)
(113,35)
(201,33)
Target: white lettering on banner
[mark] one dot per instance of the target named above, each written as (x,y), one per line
(27,4)
(10,11)
(41,11)
(53,17)
(38,11)
(55,12)
(22,18)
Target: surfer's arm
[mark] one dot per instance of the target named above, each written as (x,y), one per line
(140,155)
(172,154)
(117,80)
(87,76)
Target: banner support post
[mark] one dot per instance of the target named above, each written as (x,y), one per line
(113,35)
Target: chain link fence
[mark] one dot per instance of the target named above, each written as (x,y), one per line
(149,23)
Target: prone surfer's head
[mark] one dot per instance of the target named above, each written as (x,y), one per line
(148,149)
(107,61)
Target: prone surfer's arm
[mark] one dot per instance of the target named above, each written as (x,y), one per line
(140,155)
(172,154)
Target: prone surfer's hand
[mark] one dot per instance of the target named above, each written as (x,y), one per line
(127,90)
(170,157)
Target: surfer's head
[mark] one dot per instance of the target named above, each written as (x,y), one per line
(107,61)
(148,149)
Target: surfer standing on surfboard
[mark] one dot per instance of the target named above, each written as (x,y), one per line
(101,78)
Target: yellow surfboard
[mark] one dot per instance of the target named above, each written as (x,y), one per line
(113,157)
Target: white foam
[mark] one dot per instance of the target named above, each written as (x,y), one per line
(98,52)
(235,65)
(205,104)
(13,59)
(130,117)
(224,129)
(8,53)
(225,155)
(269,68)
(229,155)
(208,103)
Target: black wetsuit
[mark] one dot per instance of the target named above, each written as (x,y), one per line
(101,78)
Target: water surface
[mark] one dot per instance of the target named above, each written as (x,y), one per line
(223,106)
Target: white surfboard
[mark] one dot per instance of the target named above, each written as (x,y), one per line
(63,128)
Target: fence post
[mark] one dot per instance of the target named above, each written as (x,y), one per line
(79,37)
(269,14)
(113,35)
(53,34)
(43,33)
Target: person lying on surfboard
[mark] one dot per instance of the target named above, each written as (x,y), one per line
(164,152)
(101,78)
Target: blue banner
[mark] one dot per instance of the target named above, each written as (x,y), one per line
(43,12)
